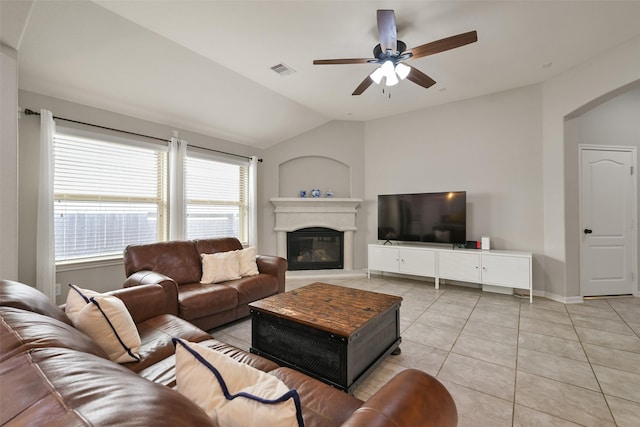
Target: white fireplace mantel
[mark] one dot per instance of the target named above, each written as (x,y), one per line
(294,213)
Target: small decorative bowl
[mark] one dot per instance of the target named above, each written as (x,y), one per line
(316,193)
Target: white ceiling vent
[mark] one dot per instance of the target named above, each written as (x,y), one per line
(283,69)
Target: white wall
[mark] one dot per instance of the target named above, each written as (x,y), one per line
(8,163)
(562,96)
(612,121)
(488,146)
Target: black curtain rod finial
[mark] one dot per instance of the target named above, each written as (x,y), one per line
(30,112)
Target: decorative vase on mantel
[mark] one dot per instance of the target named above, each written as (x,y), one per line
(316,193)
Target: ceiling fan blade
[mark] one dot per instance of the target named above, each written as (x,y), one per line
(363,86)
(420,78)
(387,32)
(444,44)
(342,61)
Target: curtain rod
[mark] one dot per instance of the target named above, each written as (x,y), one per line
(29,112)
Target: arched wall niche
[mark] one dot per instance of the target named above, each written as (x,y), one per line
(308,172)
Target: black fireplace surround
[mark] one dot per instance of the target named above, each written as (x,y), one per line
(315,248)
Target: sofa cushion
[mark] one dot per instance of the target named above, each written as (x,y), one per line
(232,393)
(253,288)
(220,267)
(22,330)
(156,335)
(321,404)
(178,260)
(199,300)
(248,265)
(106,319)
(212,246)
(64,387)
(19,295)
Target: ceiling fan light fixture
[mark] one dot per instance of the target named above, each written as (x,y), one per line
(377,75)
(392,80)
(402,70)
(388,69)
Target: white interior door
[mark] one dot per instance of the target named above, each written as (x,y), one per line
(607,215)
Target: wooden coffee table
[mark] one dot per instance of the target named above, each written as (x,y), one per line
(333,333)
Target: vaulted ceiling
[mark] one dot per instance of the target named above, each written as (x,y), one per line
(206,65)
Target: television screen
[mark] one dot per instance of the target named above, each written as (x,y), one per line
(423,217)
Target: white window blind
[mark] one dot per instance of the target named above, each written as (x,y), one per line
(107,195)
(216,198)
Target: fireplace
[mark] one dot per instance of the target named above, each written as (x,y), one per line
(297,213)
(315,248)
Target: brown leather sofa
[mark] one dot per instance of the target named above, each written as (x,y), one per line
(177,267)
(52,374)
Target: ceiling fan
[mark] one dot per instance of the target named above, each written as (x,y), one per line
(391,53)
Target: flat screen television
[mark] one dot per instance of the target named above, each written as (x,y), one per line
(423,217)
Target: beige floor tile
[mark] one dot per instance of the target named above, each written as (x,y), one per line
(489,351)
(626,414)
(478,375)
(544,314)
(543,327)
(614,382)
(544,303)
(630,315)
(489,332)
(587,310)
(613,358)
(494,318)
(557,368)
(617,326)
(527,417)
(451,309)
(479,409)
(635,327)
(442,321)
(566,401)
(419,356)
(429,335)
(552,345)
(609,339)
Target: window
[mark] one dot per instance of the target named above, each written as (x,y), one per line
(107,195)
(216,194)
(111,192)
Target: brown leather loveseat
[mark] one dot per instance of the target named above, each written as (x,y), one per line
(177,267)
(52,374)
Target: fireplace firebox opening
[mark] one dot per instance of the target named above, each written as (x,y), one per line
(315,248)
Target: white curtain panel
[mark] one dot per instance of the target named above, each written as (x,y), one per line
(253,201)
(177,154)
(45,249)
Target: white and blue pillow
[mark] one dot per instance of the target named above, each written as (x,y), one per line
(106,319)
(232,393)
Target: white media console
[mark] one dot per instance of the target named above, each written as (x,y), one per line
(508,269)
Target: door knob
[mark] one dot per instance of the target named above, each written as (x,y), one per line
(587,231)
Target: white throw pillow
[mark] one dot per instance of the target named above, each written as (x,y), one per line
(77,298)
(232,393)
(248,265)
(220,267)
(107,321)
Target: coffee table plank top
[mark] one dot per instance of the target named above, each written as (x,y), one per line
(335,309)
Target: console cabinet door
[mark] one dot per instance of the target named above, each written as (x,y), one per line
(384,258)
(459,265)
(419,262)
(505,270)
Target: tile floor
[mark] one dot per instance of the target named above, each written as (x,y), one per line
(507,362)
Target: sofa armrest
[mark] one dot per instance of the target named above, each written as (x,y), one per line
(170,287)
(143,301)
(274,265)
(411,398)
